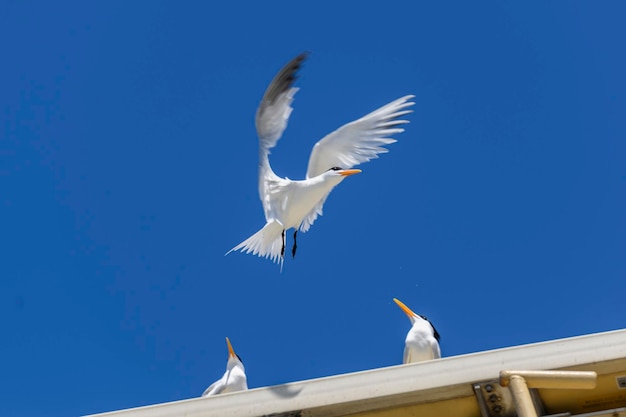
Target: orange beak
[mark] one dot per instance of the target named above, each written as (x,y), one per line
(231,352)
(404,308)
(348,172)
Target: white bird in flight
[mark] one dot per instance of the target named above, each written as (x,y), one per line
(422,341)
(234,379)
(297,203)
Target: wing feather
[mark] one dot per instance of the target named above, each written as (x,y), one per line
(310,218)
(436,350)
(272,117)
(406,356)
(361,140)
(214,389)
(275,108)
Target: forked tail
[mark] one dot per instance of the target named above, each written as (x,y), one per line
(267,242)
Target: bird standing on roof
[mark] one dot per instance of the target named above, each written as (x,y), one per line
(296,204)
(234,379)
(422,341)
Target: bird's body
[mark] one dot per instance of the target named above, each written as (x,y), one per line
(422,341)
(234,379)
(293,200)
(297,204)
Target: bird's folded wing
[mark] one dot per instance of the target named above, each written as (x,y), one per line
(436,350)
(406,356)
(360,140)
(215,388)
(275,108)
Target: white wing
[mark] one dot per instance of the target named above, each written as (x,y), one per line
(273,114)
(406,357)
(215,388)
(232,381)
(310,218)
(436,349)
(360,140)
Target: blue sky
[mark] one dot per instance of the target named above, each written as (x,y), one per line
(128,162)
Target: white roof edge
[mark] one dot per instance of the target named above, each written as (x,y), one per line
(332,395)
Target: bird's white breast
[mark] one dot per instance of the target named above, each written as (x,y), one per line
(236,380)
(291,201)
(421,344)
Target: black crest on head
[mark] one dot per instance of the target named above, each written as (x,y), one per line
(435,332)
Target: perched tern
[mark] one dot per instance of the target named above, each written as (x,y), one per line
(297,203)
(422,341)
(234,379)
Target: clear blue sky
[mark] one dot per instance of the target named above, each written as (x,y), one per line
(128,162)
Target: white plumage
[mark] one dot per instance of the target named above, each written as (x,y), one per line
(296,204)
(422,341)
(234,379)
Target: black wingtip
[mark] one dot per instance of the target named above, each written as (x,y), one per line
(294,66)
(290,70)
(303,55)
(285,78)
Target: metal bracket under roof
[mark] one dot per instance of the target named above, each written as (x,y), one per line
(495,400)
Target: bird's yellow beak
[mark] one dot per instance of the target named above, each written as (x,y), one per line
(348,172)
(404,308)
(231,352)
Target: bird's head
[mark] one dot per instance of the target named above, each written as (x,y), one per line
(414,317)
(338,174)
(233,358)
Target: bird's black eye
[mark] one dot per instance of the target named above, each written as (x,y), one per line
(239,357)
(335,169)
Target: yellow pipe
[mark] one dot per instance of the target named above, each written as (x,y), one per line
(521,397)
(553,379)
(519,382)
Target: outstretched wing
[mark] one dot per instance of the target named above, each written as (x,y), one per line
(361,140)
(275,108)
(273,114)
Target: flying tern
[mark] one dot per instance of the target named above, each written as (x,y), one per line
(234,379)
(422,341)
(297,203)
